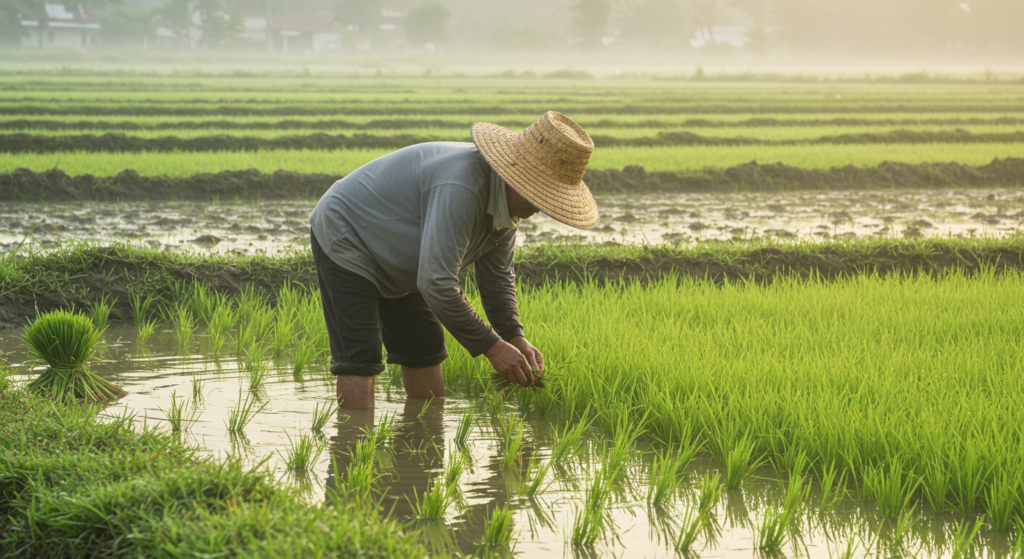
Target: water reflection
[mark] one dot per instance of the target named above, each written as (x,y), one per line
(423,445)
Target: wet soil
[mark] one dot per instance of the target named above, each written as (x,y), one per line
(55,185)
(41,143)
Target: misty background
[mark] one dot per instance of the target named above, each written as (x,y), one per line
(717,28)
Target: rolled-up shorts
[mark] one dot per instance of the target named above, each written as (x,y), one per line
(360,320)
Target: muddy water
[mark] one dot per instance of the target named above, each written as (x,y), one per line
(280,226)
(422,446)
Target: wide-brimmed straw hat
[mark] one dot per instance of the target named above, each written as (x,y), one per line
(544,164)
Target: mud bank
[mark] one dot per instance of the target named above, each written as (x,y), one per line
(80,275)
(118,142)
(55,185)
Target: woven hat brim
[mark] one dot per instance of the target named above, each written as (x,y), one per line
(572,204)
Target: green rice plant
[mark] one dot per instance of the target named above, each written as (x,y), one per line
(139,306)
(184,324)
(1002,498)
(891,490)
(771,532)
(935,485)
(664,479)
(568,440)
(243,412)
(435,501)
(709,491)
(693,523)
(284,334)
(100,313)
(796,493)
(221,320)
(833,486)
(626,432)
(145,331)
(179,416)
(383,434)
(300,357)
(739,463)
(512,432)
(322,415)
(455,468)
(303,452)
(536,473)
(965,536)
(197,388)
(65,340)
(905,524)
(255,365)
(463,430)
(968,476)
(589,519)
(498,528)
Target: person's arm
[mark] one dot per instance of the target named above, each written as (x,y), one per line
(448,221)
(496,280)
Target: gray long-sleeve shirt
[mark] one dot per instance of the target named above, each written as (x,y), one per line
(410,220)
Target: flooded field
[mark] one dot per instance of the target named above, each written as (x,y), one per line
(423,446)
(277,227)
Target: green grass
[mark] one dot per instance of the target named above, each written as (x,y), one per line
(179,416)
(303,452)
(498,528)
(244,411)
(75,483)
(666,158)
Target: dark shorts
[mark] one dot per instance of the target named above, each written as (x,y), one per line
(359,320)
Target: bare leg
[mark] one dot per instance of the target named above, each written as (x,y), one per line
(423,382)
(355,393)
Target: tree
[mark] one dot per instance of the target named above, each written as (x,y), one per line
(219,21)
(177,17)
(11,30)
(364,15)
(428,22)
(656,23)
(590,21)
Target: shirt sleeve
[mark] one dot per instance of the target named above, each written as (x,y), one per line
(448,220)
(496,280)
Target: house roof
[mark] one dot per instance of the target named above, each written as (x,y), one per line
(58,15)
(306,23)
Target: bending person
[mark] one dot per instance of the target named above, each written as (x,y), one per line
(390,239)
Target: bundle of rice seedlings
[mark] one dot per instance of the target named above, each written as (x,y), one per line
(65,341)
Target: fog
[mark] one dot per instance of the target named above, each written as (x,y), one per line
(526,35)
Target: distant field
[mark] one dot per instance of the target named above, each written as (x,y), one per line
(181,126)
(653,159)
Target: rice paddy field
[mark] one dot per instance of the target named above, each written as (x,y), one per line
(755,372)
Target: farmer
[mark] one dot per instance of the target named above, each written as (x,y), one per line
(390,239)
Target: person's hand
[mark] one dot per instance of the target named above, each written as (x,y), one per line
(510,363)
(533,356)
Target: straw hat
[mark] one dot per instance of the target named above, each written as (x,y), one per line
(544,164)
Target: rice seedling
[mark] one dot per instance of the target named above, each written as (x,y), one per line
(498,528)
(256,365)
(664,479)
(738,463)
(462,431)
(833,487)
(145,331)
(303,452)
(568,440)
(935,485)
(197,387)
(300,357)
(184,324)
(383,434)
(693,522)
(1001,498)
(536,473)
(221,320)
(589,519)
(891,490)
(100,313)
(435,501)
(709,491)
(284,334)
(626,432)
(322,415)
(65,340)
(139,306)
(772,530)
(243,412)
(968,476)
(512,430)
(179,416)
(905,524)
(964,538)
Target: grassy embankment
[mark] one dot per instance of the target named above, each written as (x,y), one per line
(80,273)
(75,484)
